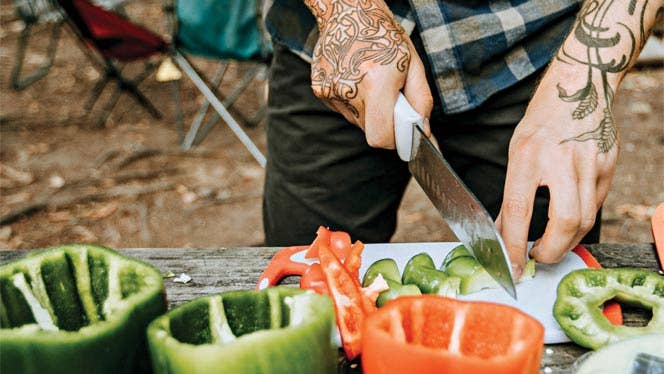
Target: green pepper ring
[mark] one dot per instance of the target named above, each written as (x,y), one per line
(105,337)
(582,293)
(279,330)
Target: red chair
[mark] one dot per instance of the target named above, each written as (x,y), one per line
(115,40)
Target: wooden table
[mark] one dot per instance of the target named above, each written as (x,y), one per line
(222,269)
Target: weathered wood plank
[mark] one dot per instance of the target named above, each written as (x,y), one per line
(222,269)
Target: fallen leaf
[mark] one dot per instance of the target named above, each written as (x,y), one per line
(182,278)
(15,242)
(62,216)
(103,212)
(5,233)
(84,234)
(637,211)
(189,197)
(168,71)
(56,181)
(17,198)
(20,176)
(640,108)
(39,148)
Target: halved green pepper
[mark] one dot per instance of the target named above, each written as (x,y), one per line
(276,330)
(582,293)
(421,271)
(77,309)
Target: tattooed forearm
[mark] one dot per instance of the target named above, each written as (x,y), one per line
(609,46)
(354,34)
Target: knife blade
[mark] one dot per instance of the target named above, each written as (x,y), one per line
(464,214)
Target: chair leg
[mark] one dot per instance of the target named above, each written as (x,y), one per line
(179,122)
(134,92)
(110,104)
(192,134)
(96,91)
(112,72)
(246,80)
(19,83)
(218,106)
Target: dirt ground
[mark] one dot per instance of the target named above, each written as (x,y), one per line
(129,184)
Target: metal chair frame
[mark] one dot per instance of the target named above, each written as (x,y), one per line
(222,106)
(31,14)
(112,72)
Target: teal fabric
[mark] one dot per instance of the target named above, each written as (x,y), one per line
(221,29)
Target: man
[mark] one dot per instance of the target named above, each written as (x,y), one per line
(540,157)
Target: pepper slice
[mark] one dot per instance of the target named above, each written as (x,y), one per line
(349,303)
(421,271)
(581,294)
(77,309)
(433,334)
(276,330)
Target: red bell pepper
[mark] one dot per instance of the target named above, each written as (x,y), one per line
(348,301)
(434,334)
(612,310)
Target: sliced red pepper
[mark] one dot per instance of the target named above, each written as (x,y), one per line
(340,244)
(348,301)
(354,259)
(280,267)
(322,238)
(612,310)
(338,241)
(314,279)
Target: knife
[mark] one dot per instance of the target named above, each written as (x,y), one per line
(465,215)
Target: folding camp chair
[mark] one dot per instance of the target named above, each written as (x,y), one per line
(116,40)
(223,30)
(33,12)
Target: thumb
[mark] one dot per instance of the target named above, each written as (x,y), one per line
(417,92)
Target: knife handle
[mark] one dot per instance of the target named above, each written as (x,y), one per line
(405,117)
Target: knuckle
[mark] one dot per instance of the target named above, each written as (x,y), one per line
(587,222)
(549,257)
(568,222)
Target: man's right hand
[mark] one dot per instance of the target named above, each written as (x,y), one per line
(362,59)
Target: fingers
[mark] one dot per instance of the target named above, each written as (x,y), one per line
(588,202)
(564,220)
(517,209)
(379,115)
(417,91)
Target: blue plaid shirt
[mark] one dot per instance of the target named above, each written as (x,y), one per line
(475,48)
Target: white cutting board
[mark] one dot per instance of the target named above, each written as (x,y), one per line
(535,296)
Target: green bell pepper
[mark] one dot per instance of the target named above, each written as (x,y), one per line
(387,268)
(582,293)
(77,309)
(421,271)
(276,330)
(474,277)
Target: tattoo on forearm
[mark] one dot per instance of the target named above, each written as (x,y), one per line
(354,33)
(601,39)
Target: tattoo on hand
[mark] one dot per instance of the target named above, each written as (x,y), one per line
(354,33)
(600,39)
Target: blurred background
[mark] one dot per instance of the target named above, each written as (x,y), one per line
(127,182)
